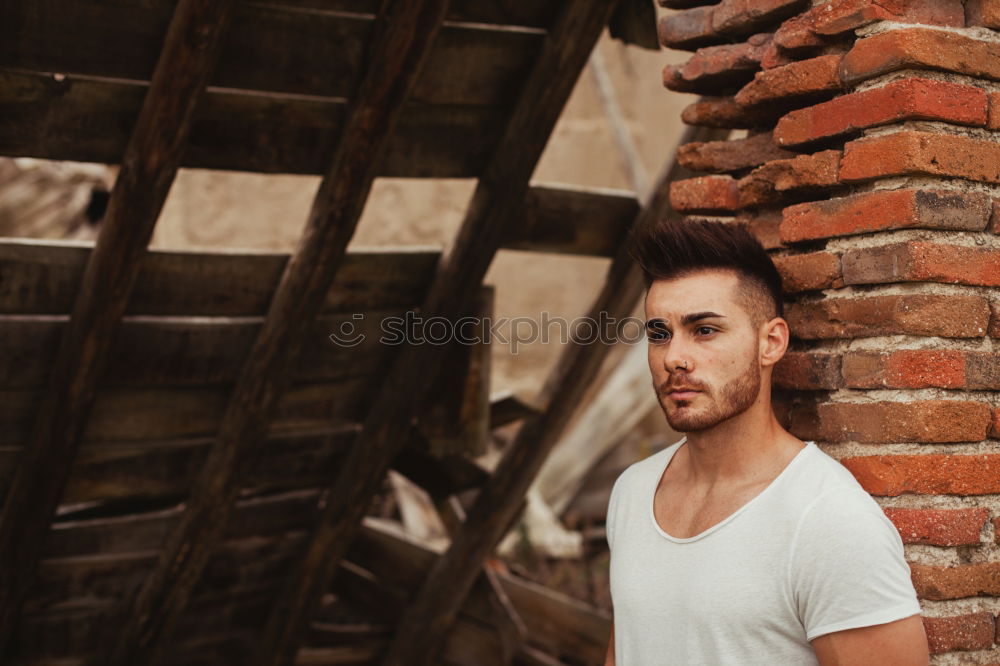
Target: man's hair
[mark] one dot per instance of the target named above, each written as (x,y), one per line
(671,249)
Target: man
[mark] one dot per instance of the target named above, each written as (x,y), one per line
(741,544)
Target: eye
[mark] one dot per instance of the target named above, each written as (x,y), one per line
(705,330)
(657,334)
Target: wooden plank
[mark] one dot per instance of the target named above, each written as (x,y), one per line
(527,13)
(495,204)
(87,120)
(572,221)
(441,594)
(127,414)
(554,621)
(188,56)
(261,516)
(404,35)
(198,351)
(458,420)
(506,408)
(42,277)
(268,48)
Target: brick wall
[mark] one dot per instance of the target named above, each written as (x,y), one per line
(870,166)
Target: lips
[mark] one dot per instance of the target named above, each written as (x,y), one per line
(681,392)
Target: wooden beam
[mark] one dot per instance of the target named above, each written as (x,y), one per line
(405,32)
(154,152)
(433,609)
(42,277)
(236,130)
(570,220)
(497,200)
(270,48)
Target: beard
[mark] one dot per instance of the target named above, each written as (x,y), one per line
(734,398)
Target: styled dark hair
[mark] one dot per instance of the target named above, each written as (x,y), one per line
(669,248)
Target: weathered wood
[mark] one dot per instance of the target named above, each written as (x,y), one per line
(42,277)
(404,35)
(87,120)
(495,203)
(527,13)
(151,159)
(269,48)
(262,516)
(554,621)
(126,414)
(195,351)
(457,422)
(572,221)
(506,408)
(441,594)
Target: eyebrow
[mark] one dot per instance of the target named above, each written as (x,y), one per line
(659,322)
(698,316)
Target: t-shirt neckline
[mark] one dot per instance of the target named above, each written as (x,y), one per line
(651,501)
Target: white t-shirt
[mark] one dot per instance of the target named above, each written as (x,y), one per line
(811,554)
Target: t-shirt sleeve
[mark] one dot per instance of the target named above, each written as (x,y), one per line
(609,521)
(847,568)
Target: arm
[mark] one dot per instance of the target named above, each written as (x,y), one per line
(609,658)
(899,643)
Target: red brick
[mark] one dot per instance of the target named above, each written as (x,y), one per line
(939,527)
(687,29)
(815,270)
(904,153)
(725,113)
(995,424)
(982,12)
(921,48)
(774,57)
(722,156)
(764,227)
(854,14)
(927,474)
(967,580)
(838,16)
(994,224)
(805,77)
(705,194)
(965,316)
(740,17)
(993,111)
(886,209)
(871,422)
(921,261)
(802,172)
(906,368)
(960,632)
(909,99)
(808,371)
(982,370)
(714,62)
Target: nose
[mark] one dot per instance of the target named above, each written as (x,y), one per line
(678,357)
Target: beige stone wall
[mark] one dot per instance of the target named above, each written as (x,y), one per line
(221,209)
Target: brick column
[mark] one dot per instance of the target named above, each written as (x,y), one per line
(870,167)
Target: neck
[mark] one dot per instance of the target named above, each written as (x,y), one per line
(746,447)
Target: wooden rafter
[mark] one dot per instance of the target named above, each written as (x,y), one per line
(187,60)
(430,614)
(404,34)
(496,201)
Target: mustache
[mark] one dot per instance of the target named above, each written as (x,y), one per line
(674,384)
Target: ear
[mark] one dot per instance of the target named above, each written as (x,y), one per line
(774,336)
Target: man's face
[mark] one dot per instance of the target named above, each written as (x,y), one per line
(704,351)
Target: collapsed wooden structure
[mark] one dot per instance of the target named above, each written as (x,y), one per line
(187,459)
